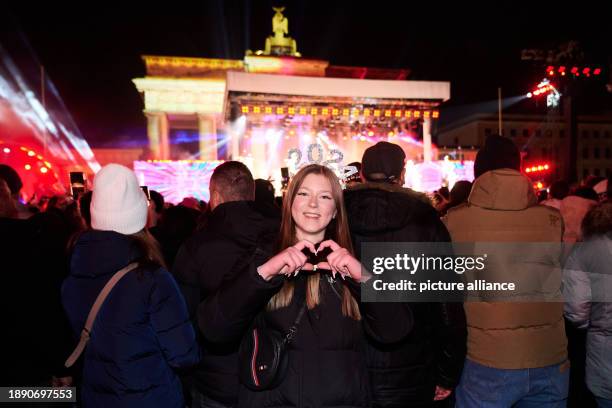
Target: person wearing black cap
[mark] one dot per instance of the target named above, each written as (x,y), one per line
(426,365)
(518,350)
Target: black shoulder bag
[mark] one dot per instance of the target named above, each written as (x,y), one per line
(263,355)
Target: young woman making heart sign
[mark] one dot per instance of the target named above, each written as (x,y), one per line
(326,357)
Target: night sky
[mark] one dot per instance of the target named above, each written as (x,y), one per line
(91,52)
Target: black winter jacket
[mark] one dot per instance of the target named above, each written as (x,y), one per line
(326,359)
(37,337)
(141,334)
(203,264)
(405,373)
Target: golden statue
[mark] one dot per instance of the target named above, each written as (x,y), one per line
(280,43)
(280,24)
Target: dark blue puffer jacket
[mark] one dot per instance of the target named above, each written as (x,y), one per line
(142,332)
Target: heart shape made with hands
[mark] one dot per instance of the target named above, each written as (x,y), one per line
(318,259)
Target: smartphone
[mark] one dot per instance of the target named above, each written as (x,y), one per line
(146,191)
(77,183)
(284,177)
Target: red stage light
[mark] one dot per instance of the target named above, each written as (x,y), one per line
(597,71)
(537,168)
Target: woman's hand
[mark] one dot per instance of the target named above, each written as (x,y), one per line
(287,262)
(340,261)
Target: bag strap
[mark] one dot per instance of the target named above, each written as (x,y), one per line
(91,317)
(293,329)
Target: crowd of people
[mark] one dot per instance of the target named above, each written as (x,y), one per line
(209,278)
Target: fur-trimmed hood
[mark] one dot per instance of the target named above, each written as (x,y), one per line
(598,221)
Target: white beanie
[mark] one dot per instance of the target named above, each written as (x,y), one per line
(118,203)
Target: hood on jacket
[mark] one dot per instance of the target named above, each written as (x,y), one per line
(377,207)
(503,189)
(245,222)
(99,253)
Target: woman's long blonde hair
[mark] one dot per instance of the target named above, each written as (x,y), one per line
(336,230)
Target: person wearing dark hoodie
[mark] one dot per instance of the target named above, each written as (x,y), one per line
(142,334)
(425,366)
(235,226)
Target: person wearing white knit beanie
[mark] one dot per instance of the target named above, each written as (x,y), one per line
(142,330)
(118,203)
